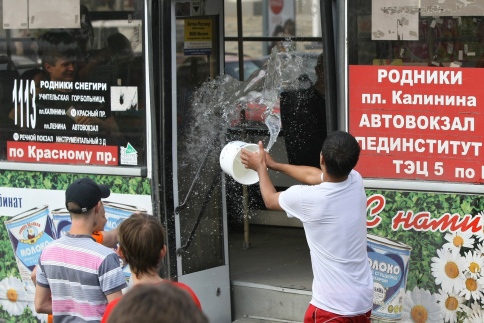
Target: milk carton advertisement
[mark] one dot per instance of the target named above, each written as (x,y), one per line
(30,232)
(33,218)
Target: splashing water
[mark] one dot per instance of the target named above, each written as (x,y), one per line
(219,103)
(283,71)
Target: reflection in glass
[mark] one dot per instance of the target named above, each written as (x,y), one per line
(97,102)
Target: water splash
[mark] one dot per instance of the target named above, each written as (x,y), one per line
(273,122)
(219,103)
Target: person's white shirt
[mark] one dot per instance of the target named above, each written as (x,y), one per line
(334,220)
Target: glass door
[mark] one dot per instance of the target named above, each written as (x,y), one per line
(202,257)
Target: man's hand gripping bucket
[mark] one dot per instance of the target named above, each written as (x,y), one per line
(232,165)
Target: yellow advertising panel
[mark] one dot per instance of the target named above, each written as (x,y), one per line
(198,37)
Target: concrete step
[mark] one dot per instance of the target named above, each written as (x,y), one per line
(267,304)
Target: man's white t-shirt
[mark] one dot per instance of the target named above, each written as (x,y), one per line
(334,219)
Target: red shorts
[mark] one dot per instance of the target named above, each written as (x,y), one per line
(317,315)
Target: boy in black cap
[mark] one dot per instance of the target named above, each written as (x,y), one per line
(80,275)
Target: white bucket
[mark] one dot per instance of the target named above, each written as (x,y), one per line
(232,165)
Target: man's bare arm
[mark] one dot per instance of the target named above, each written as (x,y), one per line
(305,174)
(257,162)
(110,238)
(268,191)
(42,300)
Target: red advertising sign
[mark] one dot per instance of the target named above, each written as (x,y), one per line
(55,153)
(418,123)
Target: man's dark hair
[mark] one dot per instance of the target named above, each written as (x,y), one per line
(161,303)
(57,44)
(141,238)
(341,152)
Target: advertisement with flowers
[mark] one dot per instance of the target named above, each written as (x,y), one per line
(31,205)
(426,250)
(445,238)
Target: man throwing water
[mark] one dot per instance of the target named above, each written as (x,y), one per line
(332,207)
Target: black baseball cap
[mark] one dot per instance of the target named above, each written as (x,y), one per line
(86,194)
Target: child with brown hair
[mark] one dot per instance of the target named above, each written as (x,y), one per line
(161,303)
(142,246)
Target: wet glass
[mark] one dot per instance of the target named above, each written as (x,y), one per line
(276,103)
(197,175)
(76,81)
(240,101)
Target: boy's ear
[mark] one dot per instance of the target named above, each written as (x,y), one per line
(163,252)
(97,207)
(120,252)
(321,159)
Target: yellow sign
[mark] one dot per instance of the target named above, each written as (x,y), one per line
(198,36)
(198,30)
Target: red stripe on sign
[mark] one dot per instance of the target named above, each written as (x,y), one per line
(418,123)
(55,153)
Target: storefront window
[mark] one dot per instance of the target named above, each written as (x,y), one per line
(72,84)
(441,35)
(415,100)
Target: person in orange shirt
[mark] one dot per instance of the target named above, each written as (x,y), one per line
(142,246)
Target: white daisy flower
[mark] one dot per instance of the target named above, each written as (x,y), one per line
(480,249)
(474,263)
(419,306)
(447,269)
(30,288)
(457,240)
(451,304)
(473,287)
(476,316)
(12,295)
(475,307)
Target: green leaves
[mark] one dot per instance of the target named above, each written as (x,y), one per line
(25,317)
(8,265)
(60,181)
